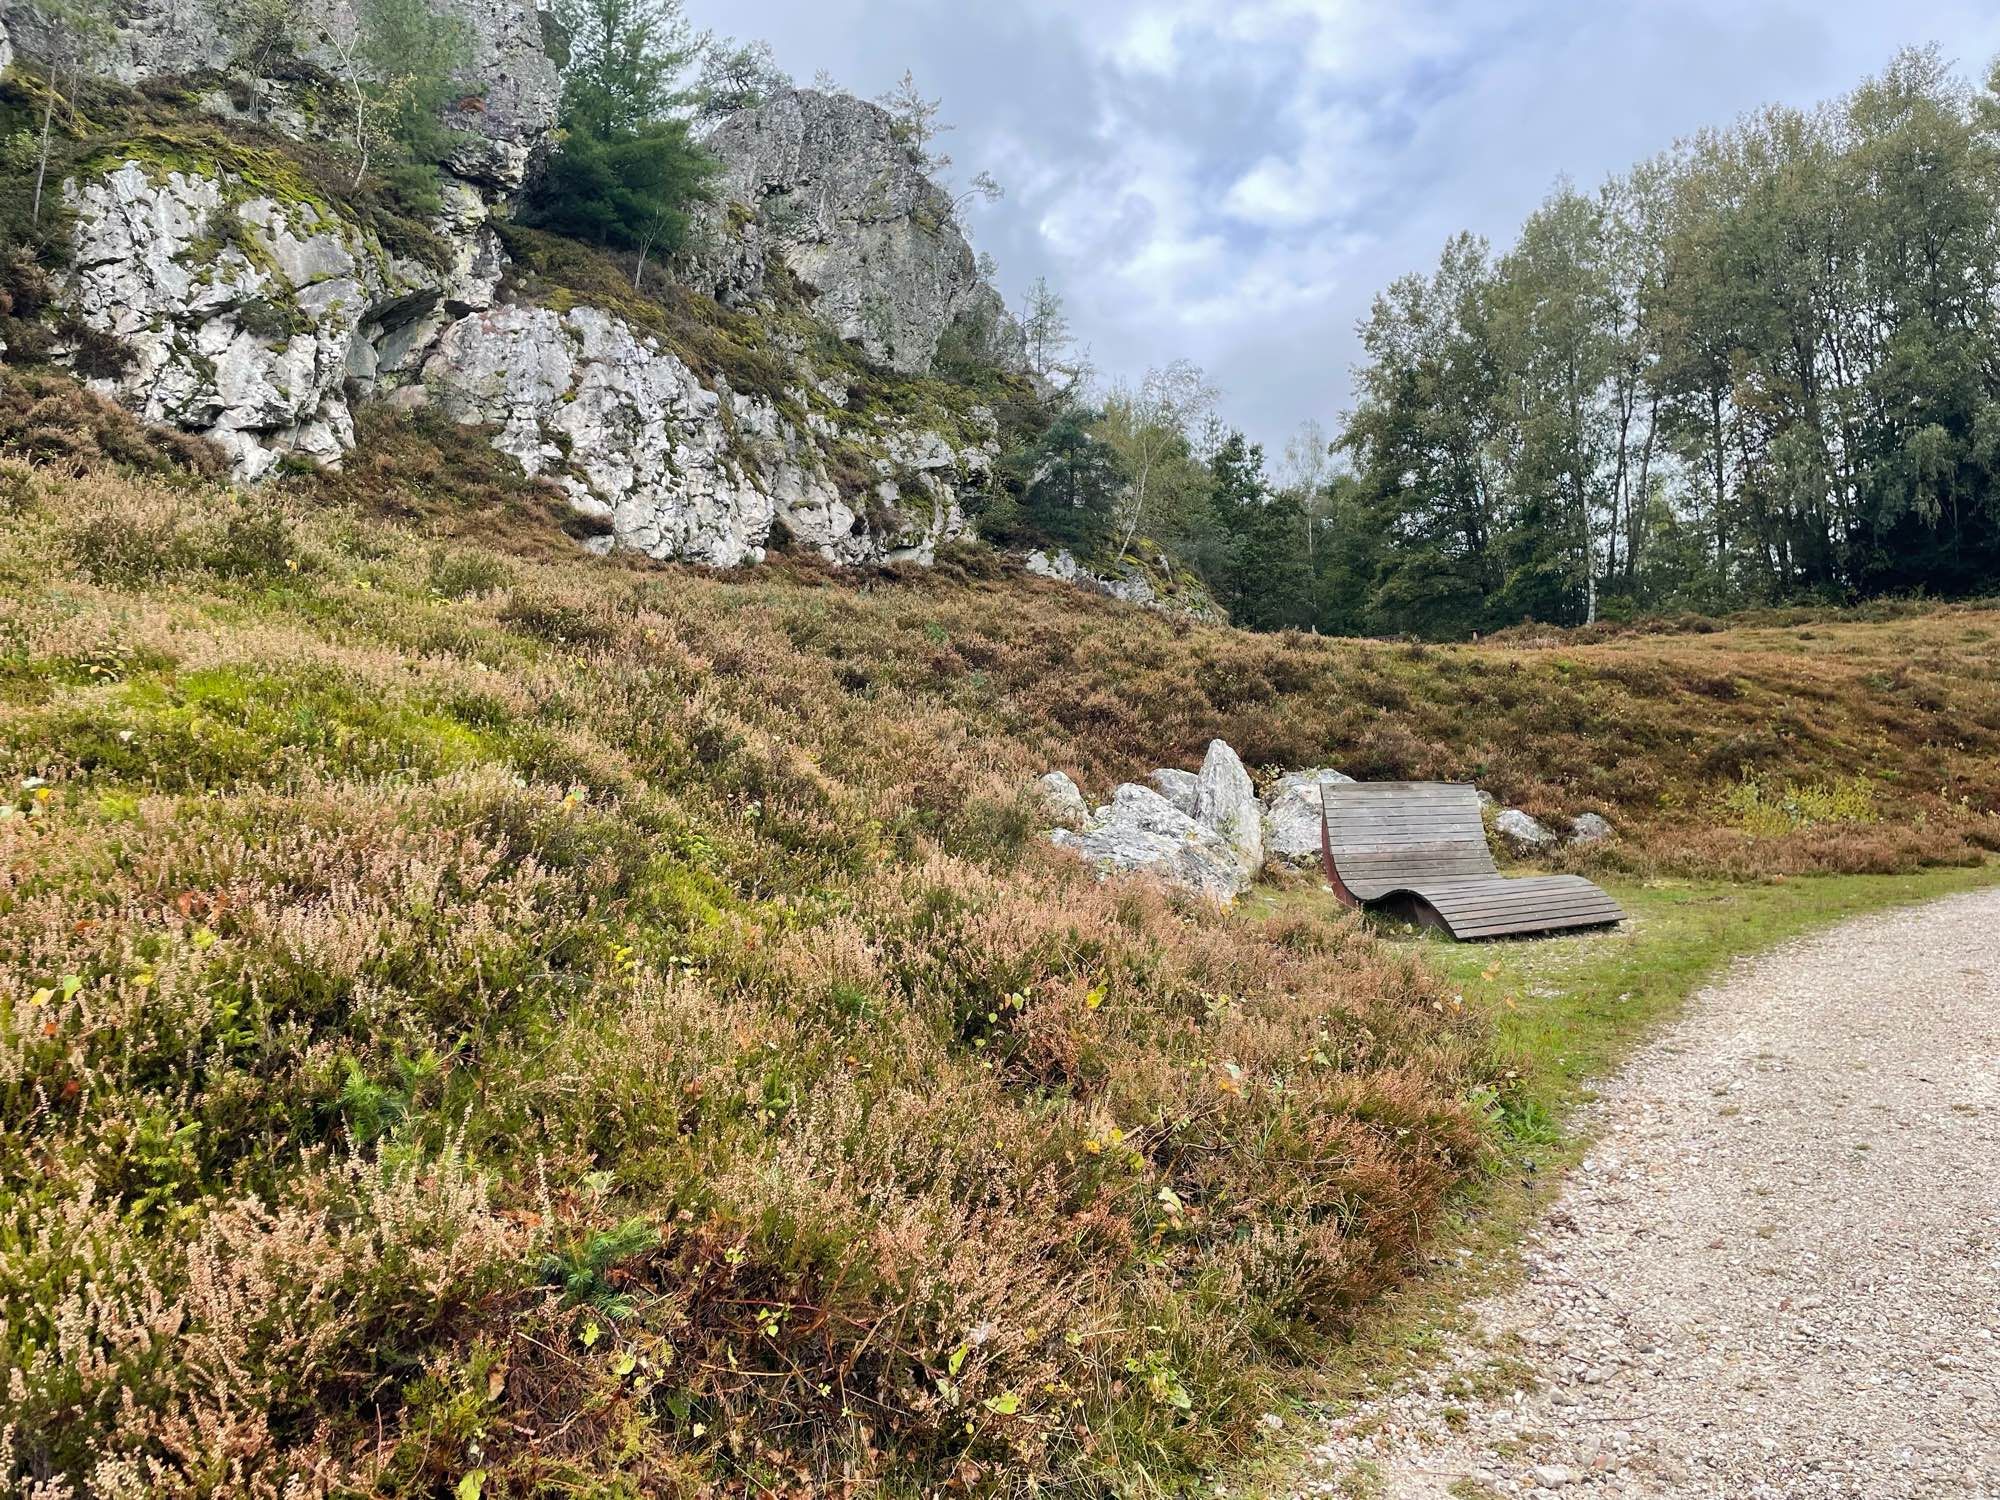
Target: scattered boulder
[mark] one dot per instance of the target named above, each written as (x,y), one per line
(1141,831)
(1226,802)
(1291,817)
(1062,800)
(1522,831)
(1589,828)
(1182,788)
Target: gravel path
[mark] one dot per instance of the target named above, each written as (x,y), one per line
(1778,1272)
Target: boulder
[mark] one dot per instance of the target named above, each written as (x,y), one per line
(1589,828)
(1182,788)
(1522,831)
(1062,801)
(1140,831)
(1226,802)
(1291,818)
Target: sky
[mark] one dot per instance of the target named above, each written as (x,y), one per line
(1232,181)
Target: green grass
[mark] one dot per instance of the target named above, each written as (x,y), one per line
(1566,1012)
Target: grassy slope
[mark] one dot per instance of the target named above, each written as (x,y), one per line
(593,1024)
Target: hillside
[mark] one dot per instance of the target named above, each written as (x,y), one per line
(476,1014)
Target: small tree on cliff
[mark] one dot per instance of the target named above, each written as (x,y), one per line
(626,169)
(737,76)
(400,60)
(78,30)
(916,122)
(261,34)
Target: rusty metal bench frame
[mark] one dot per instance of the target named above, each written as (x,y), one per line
(1417,850)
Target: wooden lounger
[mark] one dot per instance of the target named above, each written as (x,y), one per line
(1417,850)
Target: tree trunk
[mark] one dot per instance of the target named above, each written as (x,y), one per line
(42,165)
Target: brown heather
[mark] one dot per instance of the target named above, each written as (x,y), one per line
(471,1014)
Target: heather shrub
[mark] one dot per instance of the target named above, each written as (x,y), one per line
(571,1026)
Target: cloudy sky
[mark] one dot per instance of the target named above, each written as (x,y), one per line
(1232,180)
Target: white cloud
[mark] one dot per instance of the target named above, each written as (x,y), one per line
(1233,180)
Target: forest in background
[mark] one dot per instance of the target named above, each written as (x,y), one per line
(1761,367)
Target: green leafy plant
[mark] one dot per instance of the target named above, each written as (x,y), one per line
(587,1273)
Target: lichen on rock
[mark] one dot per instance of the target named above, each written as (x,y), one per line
(238,309)
(679,467)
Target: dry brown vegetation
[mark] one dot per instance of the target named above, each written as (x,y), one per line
(472,1014)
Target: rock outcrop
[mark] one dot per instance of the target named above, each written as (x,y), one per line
(681,468)
(241,307)
(1226,802)
(1291,818)
(826,184)
(1163,589)
(223,292)
(1140,831)
(507,109)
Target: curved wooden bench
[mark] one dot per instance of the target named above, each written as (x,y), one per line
(1418,850)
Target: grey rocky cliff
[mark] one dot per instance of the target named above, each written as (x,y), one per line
(680,468)
(511,87)
(822,183)
(242,312)
(257,314)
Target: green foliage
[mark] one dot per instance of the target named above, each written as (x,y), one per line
(410,57)
(587,1273)
(1069,479)
(1768,808)
(1258,565)
(1725,378)
(626,170)
(633,190)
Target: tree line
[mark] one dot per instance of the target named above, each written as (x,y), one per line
(1763,366)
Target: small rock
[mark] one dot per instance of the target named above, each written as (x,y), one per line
(1589,828)
(1551,1476)
(1291,817)
(1523,831)
(1062,801)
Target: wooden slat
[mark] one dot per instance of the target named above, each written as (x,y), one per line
(1425,840)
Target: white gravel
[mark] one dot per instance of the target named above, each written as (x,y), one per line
(1778,1272)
